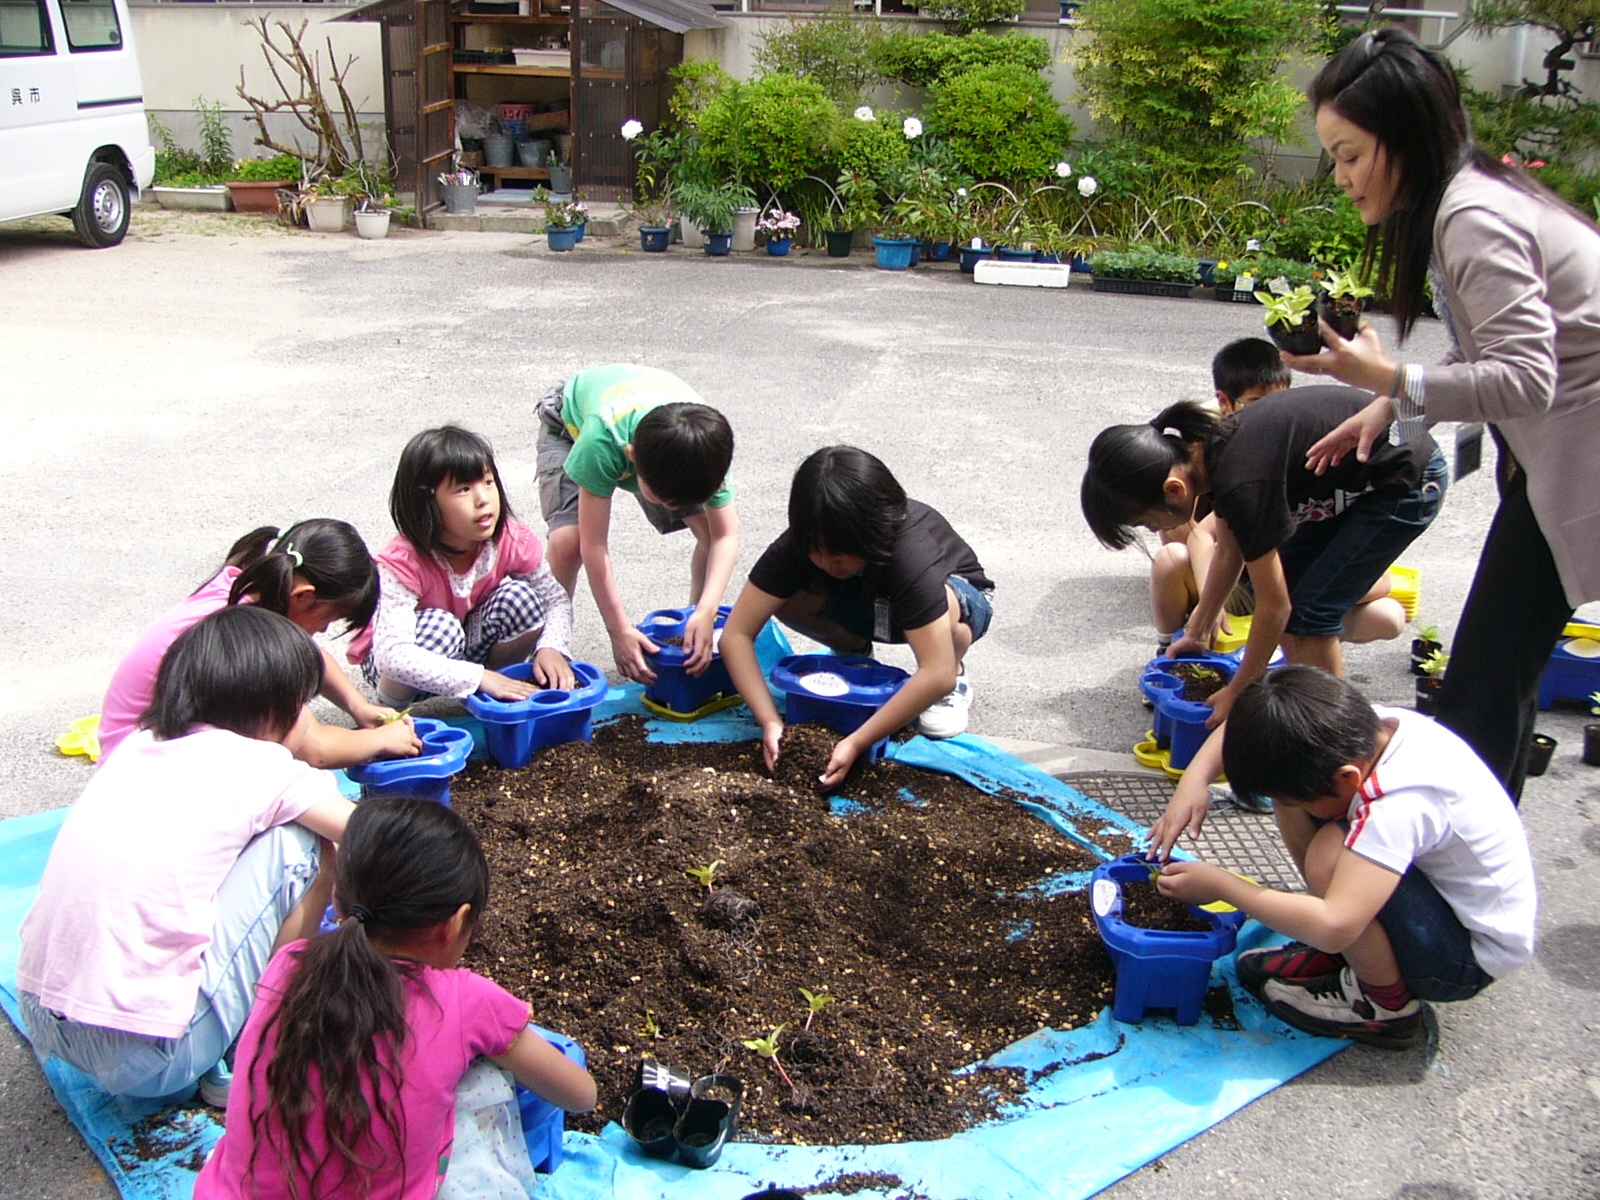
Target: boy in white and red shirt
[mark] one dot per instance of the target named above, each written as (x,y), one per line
(1419,883)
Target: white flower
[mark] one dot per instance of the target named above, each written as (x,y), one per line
(864,113)
(631,129)
(961,191)
(1253,244)
(1063,170)
(1088,185)
(911,127)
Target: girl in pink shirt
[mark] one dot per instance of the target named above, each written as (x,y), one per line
(346,1078)
(465,587)
(315,573)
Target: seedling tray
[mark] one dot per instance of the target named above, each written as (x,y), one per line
(1144,287)
(1156,968)
(444,753)
(514,729)
(676,694)
(543,1124)
(840,691)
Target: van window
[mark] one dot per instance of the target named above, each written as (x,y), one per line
(91,24)
(24,29)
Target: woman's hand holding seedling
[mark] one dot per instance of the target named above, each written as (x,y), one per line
(699,633)
(629,647)
(552,670)
(503,687)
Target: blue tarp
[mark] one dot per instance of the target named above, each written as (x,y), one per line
(1102,1100)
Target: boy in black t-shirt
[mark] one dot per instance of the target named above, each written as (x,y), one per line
(859,564)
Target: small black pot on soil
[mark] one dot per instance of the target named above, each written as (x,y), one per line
(1540,753)
(1591,745)
(1344,314)
(1421,649)
(1428,697)
(1304,338)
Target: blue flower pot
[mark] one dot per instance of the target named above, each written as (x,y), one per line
(936,251)
(840,691)
(514,729)
(444,754)
(970,258)
(580,227)
(778,247)
(894,254)
(1042,257)
(719,244)
(654,240)
(1014,254)
(676,693)
(561,237)
(1080,265)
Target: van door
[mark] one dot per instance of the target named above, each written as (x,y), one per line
(104,68)
(41,165)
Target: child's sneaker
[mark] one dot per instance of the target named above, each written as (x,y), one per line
(216,1084)
(1294,962)
(1335,1006)
(947,717)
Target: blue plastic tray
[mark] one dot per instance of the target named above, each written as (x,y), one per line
(675,690)
(1156,968)
(444,753)
(868,684)
(542,1122)
(1180,725)
(1568,676)
(514,729)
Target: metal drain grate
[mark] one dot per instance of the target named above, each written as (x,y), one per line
(1241,841)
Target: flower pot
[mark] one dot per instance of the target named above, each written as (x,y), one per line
(936,251)
(561,237)
(1421,650)
(1428,695)
(676,694)
(654,238)
(534,152)
(1591,745)
(693,239)
(971,256)
(192,199)
(894,254)
(778,247)
(444,754)
(839,242)
(1013,254)
(1304,338)
(328,214)
(460,198)
(252,196)
(744,228)
(718,244)
(581,226)
(1343,314)
(841,691)
(1080,265)
(372,225)
(514,729)
(1540,752)
(499,150)
(560,177)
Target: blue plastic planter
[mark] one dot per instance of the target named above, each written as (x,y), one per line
(1156,968)
(936,251)
(840,691)
(654,240)
(971,257)
(676,693)
(1014,254)
(581,226)
(444,753)
(1568,676)
(894,254)
(1180,725)
(514,729)
(719,244)
(778,247)
(542,1122)
(561,237)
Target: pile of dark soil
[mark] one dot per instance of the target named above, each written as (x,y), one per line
(914,915)
(1200,682)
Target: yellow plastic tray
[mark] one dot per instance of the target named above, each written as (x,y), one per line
(715,704)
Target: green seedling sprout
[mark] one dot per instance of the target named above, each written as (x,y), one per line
(1341,284)
(815,1003)
(767,1047)
(1594,704)
(1434,665)
(1428,633)
(650,1029)
(705,876)
(1288,310)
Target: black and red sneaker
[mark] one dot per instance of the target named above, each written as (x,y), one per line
(1294,962)
(1336,1006)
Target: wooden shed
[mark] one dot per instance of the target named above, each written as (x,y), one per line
(579,67)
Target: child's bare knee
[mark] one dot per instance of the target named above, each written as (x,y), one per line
(1170,559)
(1322,856)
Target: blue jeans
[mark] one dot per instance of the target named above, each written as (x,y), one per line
(1431,944)
(1330,565)
(849,605)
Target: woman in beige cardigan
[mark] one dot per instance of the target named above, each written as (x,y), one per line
(1516,279)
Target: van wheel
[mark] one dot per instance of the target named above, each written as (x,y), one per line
(101,217)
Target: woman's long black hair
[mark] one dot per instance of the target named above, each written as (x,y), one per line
(327,554)
(404,865)
(1129,464)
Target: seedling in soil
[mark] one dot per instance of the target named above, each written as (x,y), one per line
(1428,633)
(650,1029)
(767,1047)
(705,876)
(1434,667)
(1594,704)
(815,1003)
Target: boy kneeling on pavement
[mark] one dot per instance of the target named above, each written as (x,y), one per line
(1419,884)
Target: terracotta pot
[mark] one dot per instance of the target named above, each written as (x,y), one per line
(256,196)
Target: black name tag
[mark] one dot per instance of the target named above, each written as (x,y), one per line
(1469,449)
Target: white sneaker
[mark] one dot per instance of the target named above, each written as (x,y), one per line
(947,717)
(216,1084)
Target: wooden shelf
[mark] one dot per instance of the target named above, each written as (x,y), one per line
(481,19)
(515,172)
(525,72)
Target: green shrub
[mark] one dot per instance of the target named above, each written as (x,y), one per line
(698,80)
(1001,122)
(919,59)
(836,49)
(968,15)
(1563,135)
(1194,82)
(1330,232)
(264,170)
(769,132)
(216,145)
(1146,262)
(876,148)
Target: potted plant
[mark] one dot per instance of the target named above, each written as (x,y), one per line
(1233,280)
(560,174)
(1430,682)
(460,191)
(1144,271)
(1291,319)
(711,209)
(655,225)
(1541,749)
(1341,306)
(1423,645)
(325,205)
(257,181)
(372,218)
(778,228)
(561,219)
(1591,734)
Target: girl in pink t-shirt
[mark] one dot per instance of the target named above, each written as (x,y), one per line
(315,573)
(346,1078)
(465,587)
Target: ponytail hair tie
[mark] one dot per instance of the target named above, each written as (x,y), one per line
(360,915)
(294,555)
(1167,430)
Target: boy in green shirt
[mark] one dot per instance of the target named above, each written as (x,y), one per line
(646,431)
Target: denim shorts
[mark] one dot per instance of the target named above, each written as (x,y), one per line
(1330,565)
(849,605)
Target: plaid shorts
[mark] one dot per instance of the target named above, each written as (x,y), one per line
(510,611)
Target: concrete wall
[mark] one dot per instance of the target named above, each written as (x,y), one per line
(197,50)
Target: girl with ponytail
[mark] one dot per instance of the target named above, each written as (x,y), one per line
(1314,545)
(348,1072)
(315,573)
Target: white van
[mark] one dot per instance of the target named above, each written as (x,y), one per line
(73,137)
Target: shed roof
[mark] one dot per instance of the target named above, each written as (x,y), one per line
(674,15)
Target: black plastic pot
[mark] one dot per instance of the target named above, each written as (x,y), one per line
(1591,745)
(1539,753)
(709,1122)
(839,242)
(1343,314)
(1421,649)
(649,1119)
(1428,700)
(1304,338)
